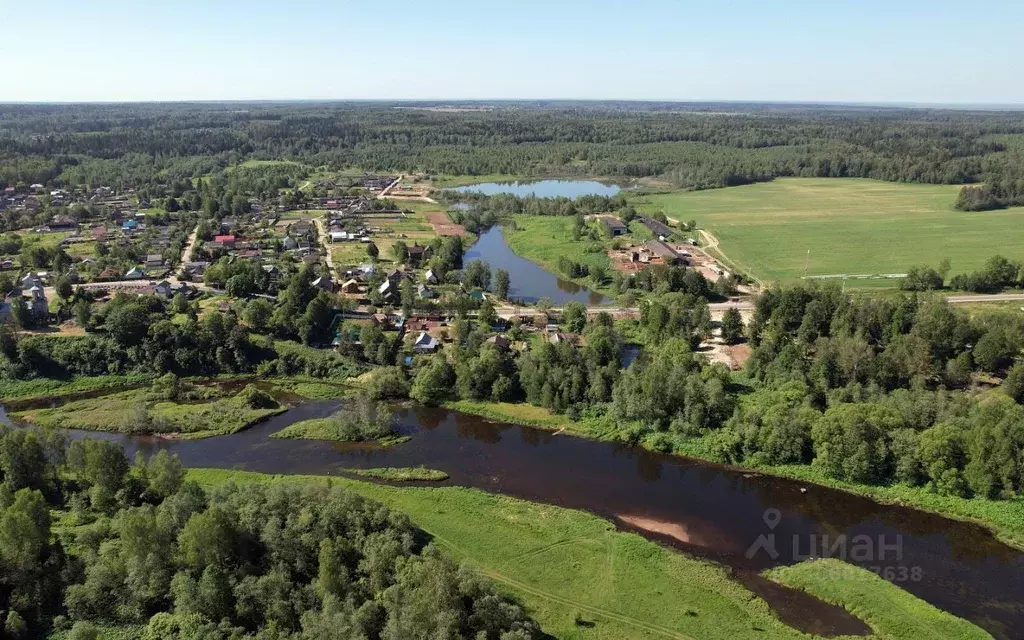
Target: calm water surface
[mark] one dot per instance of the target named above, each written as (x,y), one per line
(545,188)
(707,510)
(528,281)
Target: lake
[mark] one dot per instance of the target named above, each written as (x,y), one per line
(544,188)
(528,281)
(707,510)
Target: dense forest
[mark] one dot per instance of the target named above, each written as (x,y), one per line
(153,146)
(89,539)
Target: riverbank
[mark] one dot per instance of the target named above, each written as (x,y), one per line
(166,407)
(1005,518)
(401,474)
(545,240)
(327,429)
(577,575)
(890,611)
(140,411)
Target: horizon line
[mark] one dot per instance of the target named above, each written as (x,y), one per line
(439,101)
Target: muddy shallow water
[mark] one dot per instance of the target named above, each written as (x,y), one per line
(745,521)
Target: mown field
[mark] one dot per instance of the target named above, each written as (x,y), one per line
(850,226)
(582,579)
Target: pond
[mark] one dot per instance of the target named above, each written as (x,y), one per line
(707,510)
(545,188)
(528,281)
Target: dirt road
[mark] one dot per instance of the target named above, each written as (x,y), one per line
(186,255)
(321,230)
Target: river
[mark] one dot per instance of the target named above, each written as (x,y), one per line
(528,281)
(707,510)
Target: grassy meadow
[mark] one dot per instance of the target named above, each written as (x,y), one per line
(137,411)
(546,239)
(890,611)
(850,226)
(401,474)
(582,579)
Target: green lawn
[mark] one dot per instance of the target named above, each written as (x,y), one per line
(567,565)
(849,225)
(890,611)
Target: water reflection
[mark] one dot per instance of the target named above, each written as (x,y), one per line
(704,509)
(528,281)
(571,189)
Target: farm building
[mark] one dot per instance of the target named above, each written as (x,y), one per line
(658,228)
(667,254)
(614,226)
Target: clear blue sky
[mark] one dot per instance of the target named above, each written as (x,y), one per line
(920,51)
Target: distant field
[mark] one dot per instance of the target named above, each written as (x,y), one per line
(849,225)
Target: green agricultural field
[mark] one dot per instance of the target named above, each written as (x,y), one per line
(849,225)
(582,579)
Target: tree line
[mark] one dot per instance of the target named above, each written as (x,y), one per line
(866,390)
(89,539)
(151,146)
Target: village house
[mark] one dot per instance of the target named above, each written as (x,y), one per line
(62,223)
(37,304)
(228,242)
(425,293)
(389,291)
(500,342)
(135,273)
(154,260)
(430,277)
(418,254)
(163,288)
(350,286)
(425,343)
(324,283)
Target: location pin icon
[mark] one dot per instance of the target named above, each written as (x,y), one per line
(772,517)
